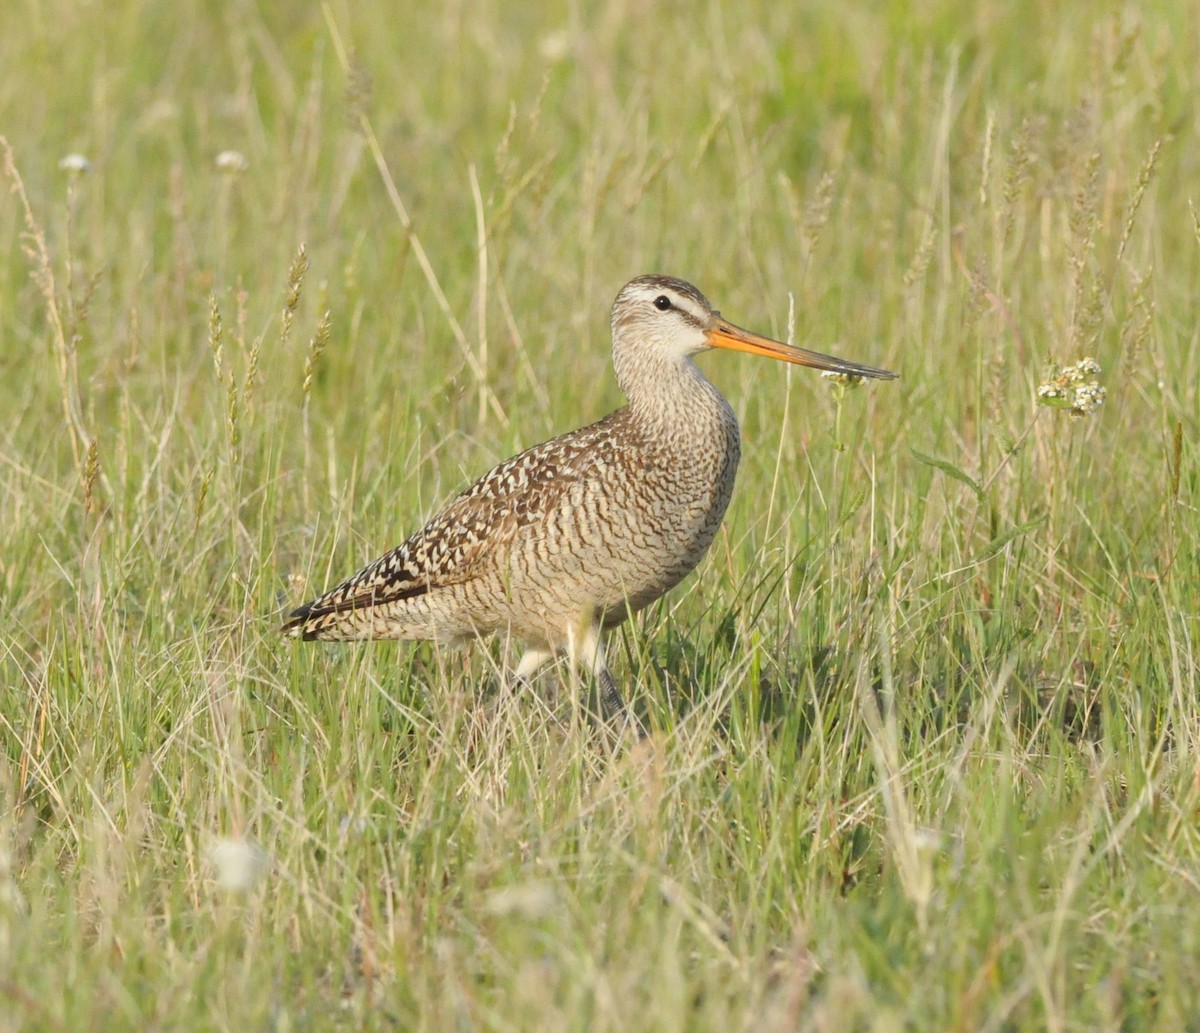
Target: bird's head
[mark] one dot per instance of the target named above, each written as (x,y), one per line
(672,320)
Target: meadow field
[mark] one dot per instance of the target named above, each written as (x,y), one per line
(276,280)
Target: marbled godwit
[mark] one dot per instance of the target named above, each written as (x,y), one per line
(570,537)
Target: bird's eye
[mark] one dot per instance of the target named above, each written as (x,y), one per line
(662,303)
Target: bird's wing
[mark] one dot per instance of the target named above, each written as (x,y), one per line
(474,527)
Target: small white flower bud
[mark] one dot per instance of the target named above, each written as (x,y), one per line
(75,164)
(232,162)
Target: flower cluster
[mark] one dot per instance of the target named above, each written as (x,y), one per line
(845,380)
(1074,388)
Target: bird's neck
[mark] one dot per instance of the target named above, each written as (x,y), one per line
(674,402)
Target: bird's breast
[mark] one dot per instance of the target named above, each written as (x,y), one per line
(623,520)
(659,510)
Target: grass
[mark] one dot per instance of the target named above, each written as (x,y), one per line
(925,729)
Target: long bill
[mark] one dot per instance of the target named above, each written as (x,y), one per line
(724,334)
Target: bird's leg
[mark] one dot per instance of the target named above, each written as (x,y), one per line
(513,680)
(612,705)
(590,652)
(531,662)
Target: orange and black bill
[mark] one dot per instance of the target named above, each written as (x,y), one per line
(726,335)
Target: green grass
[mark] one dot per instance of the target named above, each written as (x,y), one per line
(926,721)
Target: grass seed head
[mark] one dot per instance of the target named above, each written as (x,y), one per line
(317,345)
(91,472)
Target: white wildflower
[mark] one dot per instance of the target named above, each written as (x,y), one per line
(232,162)
(554,46)
(75,164)
(1052,392)
(240,864)
(1088,398)
(842,379)
(1074,388)
(531,900)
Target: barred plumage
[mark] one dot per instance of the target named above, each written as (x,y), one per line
(573,535)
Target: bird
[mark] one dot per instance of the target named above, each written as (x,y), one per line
(569,538)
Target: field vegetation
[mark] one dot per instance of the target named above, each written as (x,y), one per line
(276,280)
